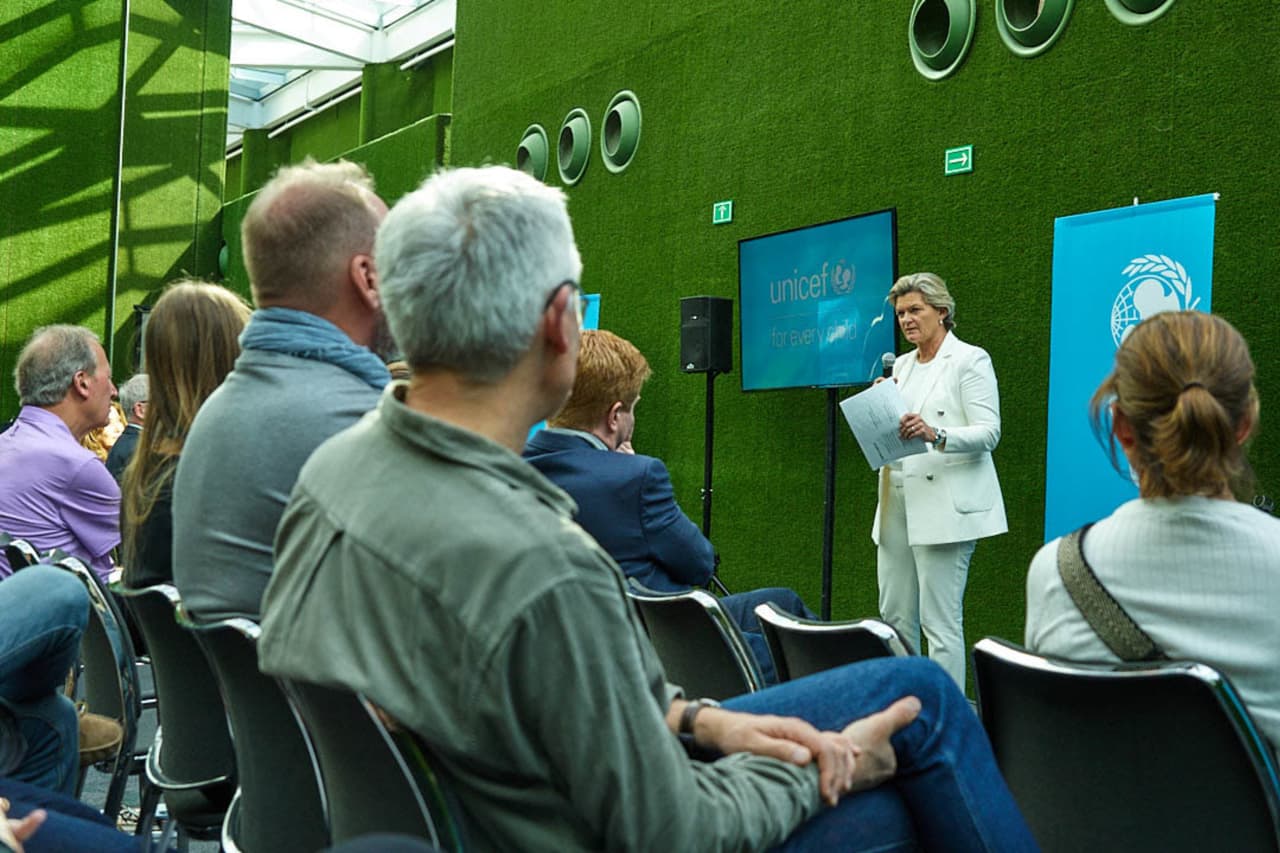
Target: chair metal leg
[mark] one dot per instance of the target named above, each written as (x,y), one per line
(150,801)
(167,832)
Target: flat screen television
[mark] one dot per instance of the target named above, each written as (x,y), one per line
(812,303)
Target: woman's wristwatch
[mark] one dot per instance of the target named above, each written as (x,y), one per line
(939,438)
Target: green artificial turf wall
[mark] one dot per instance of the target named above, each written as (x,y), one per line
(175,136)
(60,130)
(398,162)
(814,111)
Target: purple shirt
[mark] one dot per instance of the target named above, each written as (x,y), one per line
(55,493)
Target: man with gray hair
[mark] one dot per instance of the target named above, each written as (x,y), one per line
(133,399)
(53,492)
(422,563)
(312,362)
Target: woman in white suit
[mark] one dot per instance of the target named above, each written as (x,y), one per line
(934,506)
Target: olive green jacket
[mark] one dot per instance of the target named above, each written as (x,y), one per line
(443,577)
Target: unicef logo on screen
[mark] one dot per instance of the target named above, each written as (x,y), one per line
(837,278)
(1155,283)
(842,278)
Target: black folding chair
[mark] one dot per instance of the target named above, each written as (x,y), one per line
(375,779)
(19,553)
(191,760)
(279,806)
(801,647)
(1134,757)
(109,683)
(699,646)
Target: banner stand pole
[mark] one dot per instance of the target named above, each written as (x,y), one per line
(829,505)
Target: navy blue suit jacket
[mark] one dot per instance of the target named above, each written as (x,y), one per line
(627,504)
(122,451)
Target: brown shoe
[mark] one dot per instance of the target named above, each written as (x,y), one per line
(100,737)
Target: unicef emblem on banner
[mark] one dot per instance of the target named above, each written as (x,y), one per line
(1155,283)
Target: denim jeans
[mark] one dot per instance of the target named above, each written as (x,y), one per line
(948,793)
(71,827)
(43,613)
(741,608)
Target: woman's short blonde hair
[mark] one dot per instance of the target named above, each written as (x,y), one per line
(932,289)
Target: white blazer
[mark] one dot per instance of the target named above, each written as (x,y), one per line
(953,495)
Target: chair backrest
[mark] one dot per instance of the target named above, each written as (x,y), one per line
(699,646)
(19,553)
(802,647)
(375,780)
(196,747)
(280,807)
(109,683)
(1130,757)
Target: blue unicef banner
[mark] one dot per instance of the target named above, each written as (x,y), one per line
(812,307)
(1111,270)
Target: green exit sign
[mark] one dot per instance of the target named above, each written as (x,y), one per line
(721,212)
(958,160)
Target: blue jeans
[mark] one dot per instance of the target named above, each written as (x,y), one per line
(71,827)
(741,608)
(43,613)
(948,793)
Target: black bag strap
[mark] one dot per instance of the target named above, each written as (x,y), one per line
(1103,613)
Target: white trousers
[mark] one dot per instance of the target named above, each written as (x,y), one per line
(922,586)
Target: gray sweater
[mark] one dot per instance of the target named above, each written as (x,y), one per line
(238,465)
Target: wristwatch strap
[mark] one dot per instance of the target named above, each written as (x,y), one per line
(691,711)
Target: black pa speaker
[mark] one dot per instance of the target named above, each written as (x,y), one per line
(706,334)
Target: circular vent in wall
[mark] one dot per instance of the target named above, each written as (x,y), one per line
(533,153)
(1138,12)
(574,147)
(939,35)
(620,131)
(1029,27)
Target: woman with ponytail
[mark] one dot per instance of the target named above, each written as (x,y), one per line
(1195,568)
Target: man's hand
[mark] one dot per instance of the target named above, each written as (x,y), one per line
(14,832)
(625,447)
(786,738)
(870,738)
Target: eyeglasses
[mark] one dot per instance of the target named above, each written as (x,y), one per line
(577,296)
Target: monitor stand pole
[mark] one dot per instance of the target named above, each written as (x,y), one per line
(829,505)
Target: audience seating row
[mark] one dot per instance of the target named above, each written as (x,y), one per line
(238,757)
(1157,756)
(704,652)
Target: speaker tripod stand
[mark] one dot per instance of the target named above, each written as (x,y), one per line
(709,438)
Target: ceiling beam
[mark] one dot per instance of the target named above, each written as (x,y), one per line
(291,22)
(266,50)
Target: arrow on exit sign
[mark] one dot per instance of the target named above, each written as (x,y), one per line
(958,160)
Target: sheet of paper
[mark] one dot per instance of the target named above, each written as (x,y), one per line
(873,416)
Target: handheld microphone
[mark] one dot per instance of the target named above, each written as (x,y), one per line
(886,362)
